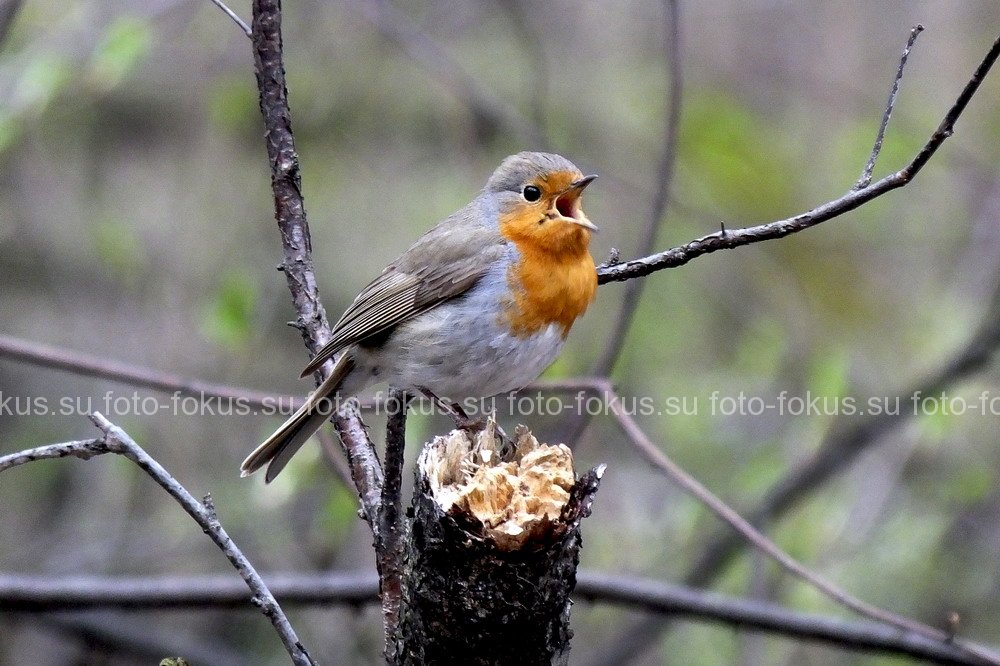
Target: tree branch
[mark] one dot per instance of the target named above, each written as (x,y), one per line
(661,193)
(663,463)
(115,440)
(36,594)
(233,15)
(87,365)
(866,174)
(390,544)
(289,211)
(727,239)
(848,439)
(392,24)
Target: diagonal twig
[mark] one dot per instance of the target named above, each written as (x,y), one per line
(846,441)
(233,15)
(289,211)
(731,238)
(394,25)
(866,174)
(662,462)
(204,514)
(117,441)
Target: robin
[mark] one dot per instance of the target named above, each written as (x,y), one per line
(480,305)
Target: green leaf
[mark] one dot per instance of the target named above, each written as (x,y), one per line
(229,319)
(43,77)
(126,43)
(117,247)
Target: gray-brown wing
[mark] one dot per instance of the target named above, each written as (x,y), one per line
(444,263)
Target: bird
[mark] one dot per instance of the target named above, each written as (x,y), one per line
(478,306)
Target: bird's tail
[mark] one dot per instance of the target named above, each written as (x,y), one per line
(277,450)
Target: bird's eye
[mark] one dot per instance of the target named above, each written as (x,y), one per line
(531,193)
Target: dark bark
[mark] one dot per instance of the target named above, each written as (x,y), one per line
(468,601)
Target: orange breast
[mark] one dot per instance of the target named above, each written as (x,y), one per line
(552,283)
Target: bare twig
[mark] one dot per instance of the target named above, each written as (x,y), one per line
(42,594)
(31,594)
(119,442)
(849,439)
(530,32)
(87,365)
(395,26)
(289,210)
(866,175)
(8,12)
(390,543)
(115,440)
(845,441)
(233,15)
(730,238)
(662,462)
(334,456)
(575,425)
(661,193)
(131,641)
(84,449)
(676,600)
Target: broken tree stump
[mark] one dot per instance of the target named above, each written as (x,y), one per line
(493,550)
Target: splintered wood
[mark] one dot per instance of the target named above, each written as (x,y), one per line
(516,499)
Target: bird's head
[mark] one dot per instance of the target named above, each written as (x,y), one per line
(538,196)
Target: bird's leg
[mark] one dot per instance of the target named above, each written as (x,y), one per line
(462,420)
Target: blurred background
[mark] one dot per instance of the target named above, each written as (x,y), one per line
(136,224)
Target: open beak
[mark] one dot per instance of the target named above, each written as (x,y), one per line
(568,203)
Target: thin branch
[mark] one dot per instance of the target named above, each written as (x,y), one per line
(727,239)
(845,441)
(531,34)
(751,614)
(84,449)
(334,456)
(115,440)
(390,544)
(866,175)
(848,439)
(397,27)
(130,640)
(88,365)
(31,594)
(26,351)
(42,594)
(661,194)
(574,425)
(662,462)
(289,211)
(233,15)
(8,12)
(204,514)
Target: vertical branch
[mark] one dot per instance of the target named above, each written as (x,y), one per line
(657,208)
(389,543)
(297,265)
(661,196)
